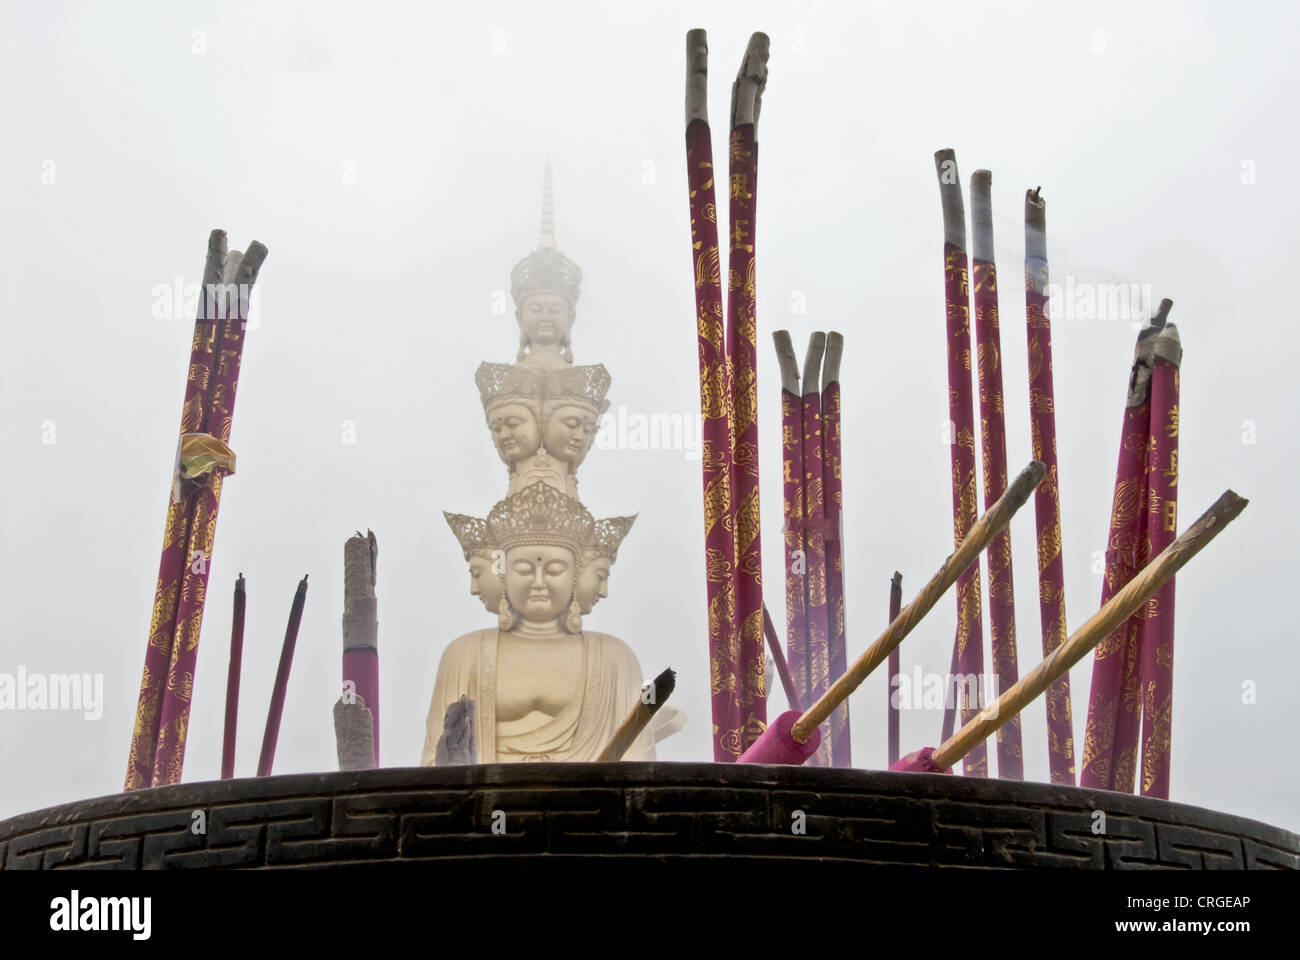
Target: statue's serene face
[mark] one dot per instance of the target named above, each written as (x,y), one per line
(569,433)
(485,583)
(514,431)
(593,582)
(539,581)
(544,318)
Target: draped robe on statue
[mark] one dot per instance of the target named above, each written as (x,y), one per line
(610,688)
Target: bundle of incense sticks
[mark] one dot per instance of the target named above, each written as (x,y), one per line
(203,460)
(1132,679)
(814,570)
(728,398)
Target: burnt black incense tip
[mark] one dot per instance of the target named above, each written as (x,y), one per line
(1162,315)
(897,579)
(664,684)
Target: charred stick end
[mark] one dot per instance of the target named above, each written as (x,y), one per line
(812,362)
(1035,225)
(1168,346)
(981,215)
(785,358)
(215,264)
(663,686)
(1162,315)
(751,79)
(954,210)
(697,76)
(831,366)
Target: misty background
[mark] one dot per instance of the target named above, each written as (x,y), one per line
(390,156)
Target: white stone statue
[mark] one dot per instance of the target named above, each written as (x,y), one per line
(543,688)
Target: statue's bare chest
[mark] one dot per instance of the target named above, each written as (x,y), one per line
(537,675)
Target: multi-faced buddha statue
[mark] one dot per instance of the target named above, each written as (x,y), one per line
(543,687)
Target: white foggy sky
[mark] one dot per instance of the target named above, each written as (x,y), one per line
(377,307)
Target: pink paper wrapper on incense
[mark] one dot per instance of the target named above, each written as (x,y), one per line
(993,436)
(742,348)
(716,446)
(777,743)
(1047,498)
(968,644)
(921,761)
(832,485)
(1157,631)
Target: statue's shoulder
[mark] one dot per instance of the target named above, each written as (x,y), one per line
(467,644)
(613,646)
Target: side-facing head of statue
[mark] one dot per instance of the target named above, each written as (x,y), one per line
(543,532)
(598,559)
(515,430)
(569,432)
(486,560)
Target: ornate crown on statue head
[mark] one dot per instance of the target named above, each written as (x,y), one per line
(502,382)
(470,532)
(546,269)
(540,514)
(608,533)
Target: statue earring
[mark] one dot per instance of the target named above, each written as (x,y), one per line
(505,615)
(573,618)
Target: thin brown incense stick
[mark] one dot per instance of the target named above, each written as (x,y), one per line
(979,536)
(778,661)
(1100,625)
(895,604)
(653,696)
(232,681)
(272,734)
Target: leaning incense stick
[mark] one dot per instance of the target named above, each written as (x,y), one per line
(993,452)
(653,696)
(715,407)
(969,640)
(792,737)
(272,734)
(1100,625)
(778,661)
(232,681)
(1047,500)
(895,604)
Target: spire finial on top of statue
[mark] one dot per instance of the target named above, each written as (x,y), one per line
(545,286)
